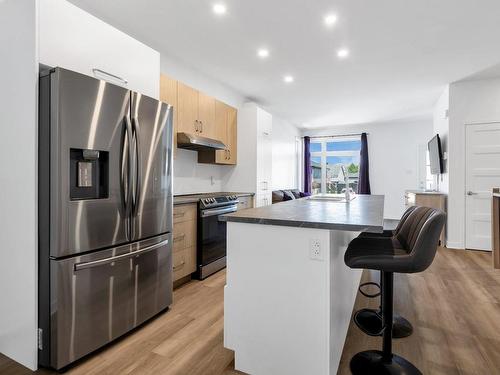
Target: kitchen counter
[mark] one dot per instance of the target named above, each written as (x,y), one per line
(428,192)
(363,214)
(194,198)
(289,296)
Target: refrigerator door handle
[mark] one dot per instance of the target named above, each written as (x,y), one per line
(138,172)
(125,173)
(100,262)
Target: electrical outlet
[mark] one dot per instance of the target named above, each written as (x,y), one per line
(315,250)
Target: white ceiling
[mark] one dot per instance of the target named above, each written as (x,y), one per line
(402,53)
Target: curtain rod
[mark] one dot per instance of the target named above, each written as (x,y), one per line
(336,136)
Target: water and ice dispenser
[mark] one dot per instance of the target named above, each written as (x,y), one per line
(89,174)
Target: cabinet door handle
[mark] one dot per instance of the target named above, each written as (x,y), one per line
(201,124)
(196,128)
(179,238)
(180,265)
(179,214)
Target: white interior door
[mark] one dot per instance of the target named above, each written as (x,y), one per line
(482,175)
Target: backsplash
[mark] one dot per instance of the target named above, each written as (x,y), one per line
(192,177)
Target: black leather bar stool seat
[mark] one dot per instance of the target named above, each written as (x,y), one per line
(411,250)
(370,320)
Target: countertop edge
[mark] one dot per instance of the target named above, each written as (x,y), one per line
(299,224)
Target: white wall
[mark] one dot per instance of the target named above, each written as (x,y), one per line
(18,180)
(74,39)
(470,102)
(393,149)
(286,154)
(189,176)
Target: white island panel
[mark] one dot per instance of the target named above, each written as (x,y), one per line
(286,313)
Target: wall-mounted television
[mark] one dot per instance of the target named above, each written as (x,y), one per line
(435,155)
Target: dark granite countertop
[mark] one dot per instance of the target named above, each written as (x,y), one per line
(363,213)
(194,198)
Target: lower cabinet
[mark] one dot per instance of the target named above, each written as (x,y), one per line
(245,202)
(263,199)
(425,199)
(184,240)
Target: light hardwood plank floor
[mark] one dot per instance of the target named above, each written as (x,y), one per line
(454,307)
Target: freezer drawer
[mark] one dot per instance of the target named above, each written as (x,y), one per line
(98,297)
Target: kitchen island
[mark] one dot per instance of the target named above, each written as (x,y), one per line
(288,297)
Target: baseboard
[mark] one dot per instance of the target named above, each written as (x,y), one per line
(454,245)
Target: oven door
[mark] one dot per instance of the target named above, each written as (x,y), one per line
(212,236)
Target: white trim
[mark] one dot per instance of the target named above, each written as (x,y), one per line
(455,245)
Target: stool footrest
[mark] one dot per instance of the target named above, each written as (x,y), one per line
(369,295)
(370,322)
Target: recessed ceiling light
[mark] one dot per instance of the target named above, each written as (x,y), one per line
(219,8)
(288,79)
(263,53)
(330,19)
(343,53)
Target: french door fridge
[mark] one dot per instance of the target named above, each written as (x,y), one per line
(105,213)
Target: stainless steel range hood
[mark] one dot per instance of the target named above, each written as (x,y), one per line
(198,143)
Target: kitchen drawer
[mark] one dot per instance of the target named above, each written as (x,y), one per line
(245,202)
(184,234)
(185,212)
(184,262)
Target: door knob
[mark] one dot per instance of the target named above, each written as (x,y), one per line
(471,193)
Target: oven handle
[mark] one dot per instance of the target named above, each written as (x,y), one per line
(100,262)
(218,211)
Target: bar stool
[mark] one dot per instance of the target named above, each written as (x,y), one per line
(412,250)
(370,320)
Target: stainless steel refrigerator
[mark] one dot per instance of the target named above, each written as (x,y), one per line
(105,213)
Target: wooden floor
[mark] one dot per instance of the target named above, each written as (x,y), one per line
(454,307)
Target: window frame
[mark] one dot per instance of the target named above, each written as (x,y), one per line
(324,153)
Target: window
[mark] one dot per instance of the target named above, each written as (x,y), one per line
(327,157)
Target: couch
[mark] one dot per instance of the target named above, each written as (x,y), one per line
(287,194)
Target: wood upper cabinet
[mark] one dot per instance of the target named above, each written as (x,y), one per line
(196,112)
(221,126)
(225,131)
(187,102)
(232,142)
(201,114)
(168,94)
(206,115)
